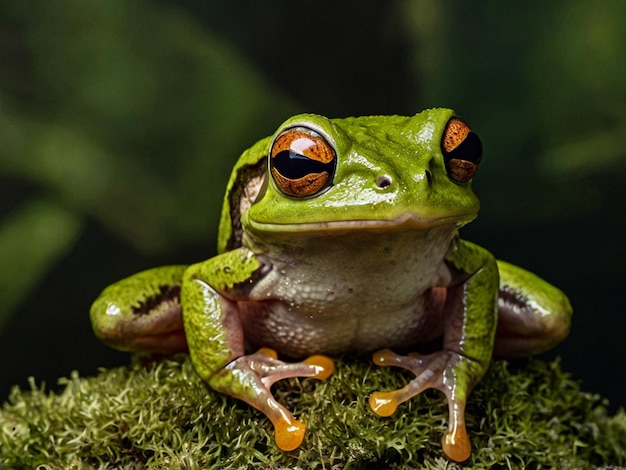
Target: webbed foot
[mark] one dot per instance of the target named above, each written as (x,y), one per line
(446,371)
(249,378)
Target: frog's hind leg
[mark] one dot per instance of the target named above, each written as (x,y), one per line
(533,316)
(142,313)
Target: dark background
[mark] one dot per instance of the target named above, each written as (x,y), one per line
(120,121)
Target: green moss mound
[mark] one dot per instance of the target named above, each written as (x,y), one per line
(527,415)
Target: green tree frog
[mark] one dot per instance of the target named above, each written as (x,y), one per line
(341,236)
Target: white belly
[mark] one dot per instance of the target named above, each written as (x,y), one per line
(358,291)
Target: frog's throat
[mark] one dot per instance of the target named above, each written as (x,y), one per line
(408,221)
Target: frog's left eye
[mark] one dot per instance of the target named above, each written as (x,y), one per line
(302,162)
(462,150)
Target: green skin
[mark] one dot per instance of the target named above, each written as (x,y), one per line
(370,261)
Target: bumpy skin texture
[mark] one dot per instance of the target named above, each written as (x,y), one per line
(342,236)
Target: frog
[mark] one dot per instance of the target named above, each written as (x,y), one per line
(341,237)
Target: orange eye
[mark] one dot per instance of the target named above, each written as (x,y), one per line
(302,162)
(462,150)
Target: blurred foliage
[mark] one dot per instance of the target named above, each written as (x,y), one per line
(545,85)
(33,239)
(128,115)
(129,125)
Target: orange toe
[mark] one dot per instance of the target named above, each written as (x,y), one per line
(325,366)
(289,436)
(457,445)
(268,352)
(383,403)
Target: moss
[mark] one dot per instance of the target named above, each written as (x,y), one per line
(523,415)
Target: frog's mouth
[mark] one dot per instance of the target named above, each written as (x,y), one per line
(407,221)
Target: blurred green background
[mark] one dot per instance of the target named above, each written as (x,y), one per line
(120,121)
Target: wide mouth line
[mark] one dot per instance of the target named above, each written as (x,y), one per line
(405,221)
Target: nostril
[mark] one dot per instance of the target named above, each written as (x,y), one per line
(383,181)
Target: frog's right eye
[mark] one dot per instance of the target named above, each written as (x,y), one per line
(461,149)
(302,162)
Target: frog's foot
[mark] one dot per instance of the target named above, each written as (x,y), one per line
(443,370)
(249,378)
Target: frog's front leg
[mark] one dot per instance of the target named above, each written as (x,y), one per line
(470,321)
(210,294)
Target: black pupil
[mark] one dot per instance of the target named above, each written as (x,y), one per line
(294,166)
(471,149)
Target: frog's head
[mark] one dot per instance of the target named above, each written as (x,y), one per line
(368,173)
